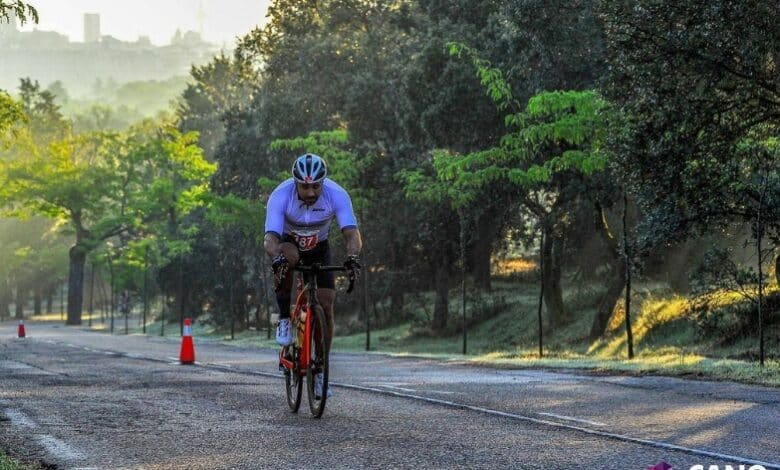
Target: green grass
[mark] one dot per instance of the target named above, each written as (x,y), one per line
(7,463)
(666,339)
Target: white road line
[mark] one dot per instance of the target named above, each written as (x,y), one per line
(59,448)
(462,406)
(18,418)
(417,391)
(52,445)
(594,432)
(14,365)
(569,418)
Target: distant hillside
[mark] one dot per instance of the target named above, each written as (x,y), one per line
(114,106)
(48,57)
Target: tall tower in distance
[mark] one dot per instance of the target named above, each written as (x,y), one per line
(91,27)
(201,16)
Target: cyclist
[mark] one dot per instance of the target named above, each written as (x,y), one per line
(299,213)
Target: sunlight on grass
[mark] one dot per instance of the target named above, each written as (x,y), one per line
(665,335)
(653,313)
(56,316)
(516,265)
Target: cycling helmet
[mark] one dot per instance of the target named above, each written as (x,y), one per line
(309,168)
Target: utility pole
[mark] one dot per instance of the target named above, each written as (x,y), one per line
(463,277)
(146,289)
(62,299)
(541,291)
(627,251)
(91,294)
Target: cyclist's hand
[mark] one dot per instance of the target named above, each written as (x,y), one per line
(353,267)
(280,266)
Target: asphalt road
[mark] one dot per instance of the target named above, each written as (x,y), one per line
(71,398)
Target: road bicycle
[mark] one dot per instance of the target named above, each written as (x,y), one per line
(308,355)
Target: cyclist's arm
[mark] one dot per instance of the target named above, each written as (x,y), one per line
(347,222)
(272,244)
(274,224)
(353,241)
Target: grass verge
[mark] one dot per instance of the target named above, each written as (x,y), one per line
(503,332)
(7,463)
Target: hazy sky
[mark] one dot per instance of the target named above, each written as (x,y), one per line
(127,19)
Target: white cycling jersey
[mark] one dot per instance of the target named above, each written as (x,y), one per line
(308,225)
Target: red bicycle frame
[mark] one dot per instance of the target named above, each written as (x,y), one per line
(301,319)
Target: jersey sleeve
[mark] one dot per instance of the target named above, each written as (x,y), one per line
(345,215)
(274,215)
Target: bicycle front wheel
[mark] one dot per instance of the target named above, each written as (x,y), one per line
(318,364)
(293,385)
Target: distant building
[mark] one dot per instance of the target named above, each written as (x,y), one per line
(43,40)
(144,41)
(91,27)
(48,56)
(110,41)
(187,39)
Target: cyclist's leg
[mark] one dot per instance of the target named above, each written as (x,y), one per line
(326,284)
(284,289)
(327,298)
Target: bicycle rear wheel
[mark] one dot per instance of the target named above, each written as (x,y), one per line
(293,384)
(319,362)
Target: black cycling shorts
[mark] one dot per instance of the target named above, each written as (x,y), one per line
(319,254)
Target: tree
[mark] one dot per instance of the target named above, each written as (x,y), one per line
(71,180)
(11,113)
(21,10)
(57,89)
(698,85)
(556,142)
(708,83)
(102,185)
(221,85)
(173,184)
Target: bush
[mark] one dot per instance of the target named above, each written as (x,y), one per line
(723,316)
(725,299)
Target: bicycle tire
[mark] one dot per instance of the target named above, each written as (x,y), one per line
(318,364)
(293,385)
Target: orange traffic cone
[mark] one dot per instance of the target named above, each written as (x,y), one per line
(22,333)
(187,354)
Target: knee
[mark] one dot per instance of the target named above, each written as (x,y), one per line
(283,294)
(291,253)
(327,300)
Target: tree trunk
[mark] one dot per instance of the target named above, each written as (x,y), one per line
(552,252)
(50,300)
(21,299)
(37,301)
(179,296)
(441,307)
(777,269)
(397,287)
(616,283)
(608,302)
(481,252)
(5,299)
(78,257)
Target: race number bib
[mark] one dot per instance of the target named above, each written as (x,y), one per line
(306,241)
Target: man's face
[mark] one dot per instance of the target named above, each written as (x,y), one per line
(309,192)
